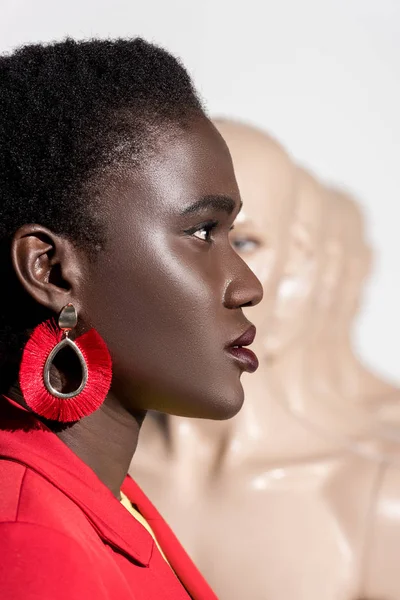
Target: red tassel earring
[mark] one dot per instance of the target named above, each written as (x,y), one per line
(40,351)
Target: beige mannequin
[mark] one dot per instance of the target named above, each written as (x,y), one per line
(340,365)
(281,500)
(296,344)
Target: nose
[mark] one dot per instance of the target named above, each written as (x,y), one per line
(244,288)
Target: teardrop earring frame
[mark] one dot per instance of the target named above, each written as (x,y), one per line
(67,321)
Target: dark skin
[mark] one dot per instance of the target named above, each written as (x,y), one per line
(166,293)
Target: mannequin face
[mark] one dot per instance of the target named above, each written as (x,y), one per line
(294,307)
(266,180)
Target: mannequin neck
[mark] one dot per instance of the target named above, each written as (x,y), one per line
(311,397)
(344,370)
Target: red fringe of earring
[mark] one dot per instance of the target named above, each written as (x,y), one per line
(95,352)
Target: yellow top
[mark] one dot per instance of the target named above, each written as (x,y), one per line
(136,514)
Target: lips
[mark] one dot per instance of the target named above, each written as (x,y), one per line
(245,357)
(246,338)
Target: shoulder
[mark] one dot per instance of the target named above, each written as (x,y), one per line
(40,562)
(41,546)
(28,497)
(351,485)
(383,544)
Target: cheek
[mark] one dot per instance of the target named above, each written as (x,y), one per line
(298,291)
(158,306)
(166,327)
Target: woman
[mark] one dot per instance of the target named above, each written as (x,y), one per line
(116,199)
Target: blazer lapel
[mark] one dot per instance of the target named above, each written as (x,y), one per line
(188,574)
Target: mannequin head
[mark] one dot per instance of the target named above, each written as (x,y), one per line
(295,303)
(356,260)
(347,261)
(266,179)
(333,256)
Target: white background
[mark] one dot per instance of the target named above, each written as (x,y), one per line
(322,75)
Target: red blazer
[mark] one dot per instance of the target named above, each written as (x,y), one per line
(64,536)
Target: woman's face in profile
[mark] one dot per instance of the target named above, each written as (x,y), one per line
(167,291)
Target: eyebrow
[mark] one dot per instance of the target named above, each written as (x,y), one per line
(216,202)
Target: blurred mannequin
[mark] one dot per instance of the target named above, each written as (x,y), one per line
(340,365)
(278,492)
(348,260)
(294,346)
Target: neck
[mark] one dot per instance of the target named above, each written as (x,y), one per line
(309,394)
(199,446)
(344,370)
(105,441)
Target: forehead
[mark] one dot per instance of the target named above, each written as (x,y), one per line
(194,161)
(190,163)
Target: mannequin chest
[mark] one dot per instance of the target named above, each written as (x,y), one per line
(298,532)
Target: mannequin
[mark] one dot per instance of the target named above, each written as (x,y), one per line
(296,345)
(353,381)
(284,491)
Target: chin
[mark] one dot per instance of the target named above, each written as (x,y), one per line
(229,409)
(227,401)
(222,405)
(217,397)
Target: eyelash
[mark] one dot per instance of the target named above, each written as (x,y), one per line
(208,227)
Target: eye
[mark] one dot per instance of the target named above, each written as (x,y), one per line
(245,245)
(204,231)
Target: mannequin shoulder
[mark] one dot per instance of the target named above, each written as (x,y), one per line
(350,490)
(383,541)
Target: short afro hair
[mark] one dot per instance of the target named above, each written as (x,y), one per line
(68,112)
(69,109)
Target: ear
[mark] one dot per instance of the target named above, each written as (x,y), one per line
(48,266)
